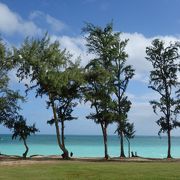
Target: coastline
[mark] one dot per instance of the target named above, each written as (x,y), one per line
(40,159)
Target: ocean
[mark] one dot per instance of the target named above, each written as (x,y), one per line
(90,146)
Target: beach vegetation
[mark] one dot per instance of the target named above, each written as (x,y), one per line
(68,96)
(164,81)
(108,79)
(9,98)
(128,133)
(22,130)
(43,63)
(98,90)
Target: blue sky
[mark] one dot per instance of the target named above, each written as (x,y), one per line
(140,21)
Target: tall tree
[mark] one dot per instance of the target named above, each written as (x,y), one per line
(110,58)
(98,76)
(164,81)
(122,74)
(44,63)
(22,130)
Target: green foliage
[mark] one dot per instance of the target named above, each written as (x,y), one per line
(109,67)
(41,61)
(122,74)
(128,129)
(100,42)
(98,77)
(107,75)
(52,73)
(48,67)
(9,108)
(8,98)
(22,130)
(98,93)
(164,81)
(70,93)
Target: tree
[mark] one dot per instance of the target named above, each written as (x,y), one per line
(164,81)
(98,94)
(111,58)
(67,98)
(22,130)
(9,107)
(44,63)
(128,132)
(98,76)
(122,74)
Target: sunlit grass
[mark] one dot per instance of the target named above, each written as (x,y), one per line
(92,170)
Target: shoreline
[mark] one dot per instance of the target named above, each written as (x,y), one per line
(39,159)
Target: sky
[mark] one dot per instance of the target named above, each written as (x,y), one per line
(139,21)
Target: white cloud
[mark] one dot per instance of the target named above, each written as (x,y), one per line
(136,49)
(76,46)
(11,23)
(57,25)
(145,97)
(141,114)
(54,24)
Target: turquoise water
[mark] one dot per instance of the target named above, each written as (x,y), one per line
(90,146)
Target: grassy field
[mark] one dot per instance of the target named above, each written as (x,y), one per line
(91,170)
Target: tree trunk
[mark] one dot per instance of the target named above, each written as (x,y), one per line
(129,147)
(122,145)
(62,133)
(169,144)
(104,131)
(27,148)
(65,151)
(168,108)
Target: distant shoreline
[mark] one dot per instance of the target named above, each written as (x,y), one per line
(95,135)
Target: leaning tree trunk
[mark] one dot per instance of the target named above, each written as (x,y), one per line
(65,151)
(27,148)
(122,144)
(169,144)
(62,133)
(104,131)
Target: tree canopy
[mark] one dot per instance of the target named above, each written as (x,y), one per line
(9,107)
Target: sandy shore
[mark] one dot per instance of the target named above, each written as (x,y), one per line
(38,159)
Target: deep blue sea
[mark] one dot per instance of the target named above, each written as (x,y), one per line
(90,146)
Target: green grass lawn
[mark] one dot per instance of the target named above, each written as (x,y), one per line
(92,170)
